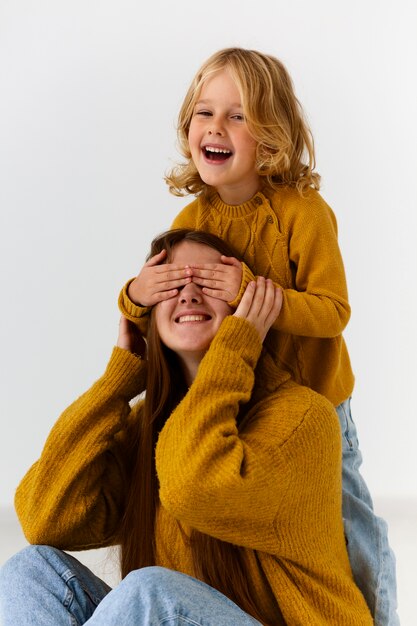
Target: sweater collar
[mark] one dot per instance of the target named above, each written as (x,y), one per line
(236,210)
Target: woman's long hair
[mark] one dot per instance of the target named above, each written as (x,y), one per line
(219,564)
(274,116)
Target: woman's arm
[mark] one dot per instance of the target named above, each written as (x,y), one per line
(73,496)
(242,485)
(212,477)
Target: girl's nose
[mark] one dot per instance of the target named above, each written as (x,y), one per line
(216,130)
(215,126)
(190,294)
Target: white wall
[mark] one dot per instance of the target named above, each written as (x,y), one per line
(89,95)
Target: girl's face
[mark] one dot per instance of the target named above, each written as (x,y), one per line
(221,146)
(188,322)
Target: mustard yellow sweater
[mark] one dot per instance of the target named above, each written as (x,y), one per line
(292,240)
(273,486)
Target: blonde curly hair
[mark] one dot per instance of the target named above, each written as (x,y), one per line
(274,117)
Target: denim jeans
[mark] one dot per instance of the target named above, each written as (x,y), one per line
(42,586)
(371,558)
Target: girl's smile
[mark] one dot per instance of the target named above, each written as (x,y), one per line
(221,146)
(215,153)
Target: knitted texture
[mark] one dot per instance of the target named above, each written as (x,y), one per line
(271,485)
(291,239)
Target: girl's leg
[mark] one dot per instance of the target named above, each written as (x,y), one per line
(42,586)
(371,558)
(155,596)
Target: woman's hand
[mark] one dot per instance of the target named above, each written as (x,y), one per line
(130,338)
(261,304)
(158,281)
(219,280)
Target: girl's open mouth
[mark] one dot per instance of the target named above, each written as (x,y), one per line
(216,154)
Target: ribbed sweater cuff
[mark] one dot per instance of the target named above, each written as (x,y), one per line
(129,309)
(247,276)
(125,374)
(241,337)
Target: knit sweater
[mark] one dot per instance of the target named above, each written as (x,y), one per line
(291,239)
(271,485)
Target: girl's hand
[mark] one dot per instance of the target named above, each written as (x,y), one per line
(156,282)
(130,338)
(219,280)
(261,304)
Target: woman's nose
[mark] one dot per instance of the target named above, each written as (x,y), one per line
(190,294)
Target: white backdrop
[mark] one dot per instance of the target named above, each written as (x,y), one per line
(89,93)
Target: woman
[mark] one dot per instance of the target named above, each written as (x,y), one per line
(222,486)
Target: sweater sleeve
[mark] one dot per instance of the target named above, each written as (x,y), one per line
(318,306)
(73,496)
(133,312)
(247,276)
(220,481)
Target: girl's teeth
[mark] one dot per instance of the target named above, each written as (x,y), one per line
(223,151)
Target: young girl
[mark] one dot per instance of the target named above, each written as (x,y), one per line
(249,159)
(222,486)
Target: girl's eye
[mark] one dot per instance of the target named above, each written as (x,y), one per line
(239,116)
(203,113)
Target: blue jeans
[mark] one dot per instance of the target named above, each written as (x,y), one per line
(371,558)
(42,586)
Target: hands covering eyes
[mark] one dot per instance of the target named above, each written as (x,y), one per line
(158,281)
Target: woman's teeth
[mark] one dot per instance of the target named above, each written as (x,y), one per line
(192,318)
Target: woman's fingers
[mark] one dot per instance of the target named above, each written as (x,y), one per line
(258,302)
(123,340)
(276,306)
(261,304)
(246,301)
(130,338)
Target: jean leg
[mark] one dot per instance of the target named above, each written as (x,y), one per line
(42,586)
(371,558)
(155,596)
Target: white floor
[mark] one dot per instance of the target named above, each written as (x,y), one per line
(401,516)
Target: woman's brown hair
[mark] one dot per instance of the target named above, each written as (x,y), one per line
(274,116)
(219,564)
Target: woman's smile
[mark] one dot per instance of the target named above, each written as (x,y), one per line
(188,322)
(192,317)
